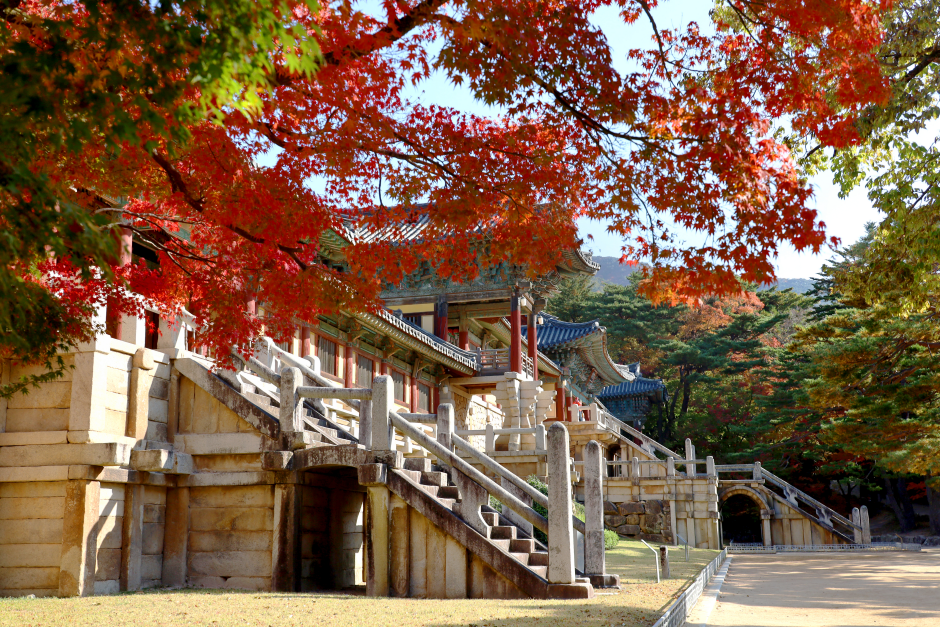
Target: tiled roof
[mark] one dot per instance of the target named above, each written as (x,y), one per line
(554,331)
(632,388)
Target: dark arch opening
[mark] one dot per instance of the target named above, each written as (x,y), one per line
(740,520)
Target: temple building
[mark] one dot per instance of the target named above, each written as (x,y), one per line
(632,401)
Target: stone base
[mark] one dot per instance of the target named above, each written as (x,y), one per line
(605,581)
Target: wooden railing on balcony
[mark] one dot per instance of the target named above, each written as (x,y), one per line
(496,361)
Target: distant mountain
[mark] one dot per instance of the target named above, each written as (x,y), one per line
(612,271)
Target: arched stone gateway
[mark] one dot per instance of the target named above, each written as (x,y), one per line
(764,508)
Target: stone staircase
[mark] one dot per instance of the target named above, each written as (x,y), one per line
(502,533)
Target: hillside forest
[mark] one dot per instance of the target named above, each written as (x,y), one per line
(834,393)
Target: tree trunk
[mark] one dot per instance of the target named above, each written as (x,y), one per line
(900,503)
(933,508)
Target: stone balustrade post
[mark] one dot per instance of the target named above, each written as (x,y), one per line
(540,443)
(445,425)
(635,469)
(291,411)
(866,526)
(365,423)
(560,529)
(710,466)
(489,443)
(594,563)
(857,521)
(670,467)
(758,475)
(689,455)
(382,399)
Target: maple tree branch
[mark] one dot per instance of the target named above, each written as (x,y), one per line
(392,32)
(179,185)
(925,61)
(659,39)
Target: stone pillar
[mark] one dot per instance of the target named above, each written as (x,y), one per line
(758,474)
(382,402)
(79,539)
(176,537)
(489,440)
(593,510)
(89,389)
(133,532)
(765,522)
(689,455)
(399,547)
(560,529)
(291,412)
(138,393)
(285,552)
(857,521)
(445,425)
(670,467)
(664,561)
(377,545)
(515,339)
(866,527)
(710,466)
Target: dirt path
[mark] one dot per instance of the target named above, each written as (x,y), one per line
(823,590)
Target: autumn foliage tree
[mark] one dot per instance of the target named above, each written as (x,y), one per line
(159,116)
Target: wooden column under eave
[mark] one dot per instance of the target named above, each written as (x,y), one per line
(350,365)
(515,340)
(440,317)
(561,402)
(532,338)
(113,318)
(305,341)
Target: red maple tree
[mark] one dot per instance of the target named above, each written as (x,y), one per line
(683,138)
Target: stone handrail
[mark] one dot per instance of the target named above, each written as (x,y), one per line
(791,493)
(450,458)
(304,366)
(491,432)
(642,436)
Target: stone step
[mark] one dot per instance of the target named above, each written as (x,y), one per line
(501,532)
(448,503)
(522,558)
(538,558)
(541,571)
(414,475)
(261,400)
(421,464)
(490,518)
(448,492)
(433,490)
(430,477)
(522,545)
(502,544)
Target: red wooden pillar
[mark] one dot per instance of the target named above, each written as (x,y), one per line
(440,317)
(113,318)
(383,369)
(350,365)
(413,403)
(568,406)
(305,341)
(561,402)
(515,340)
(532,338)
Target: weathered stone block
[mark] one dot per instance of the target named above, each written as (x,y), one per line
(231,564)
(104,454)
(50,419)
(30,578)
(27,508)
(632,519)
(238,496)
(235,518)
(30,556)
(654,507)
(51,395)
(614,520)
(151,566)
(46,531)
(257,584)
(110,532)
(636,507)
(154,513)
(32,489)
(610,509)
(108,564)
(628,530)
(654,537)
(152,539)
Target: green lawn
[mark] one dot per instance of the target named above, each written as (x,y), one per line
(639,602)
